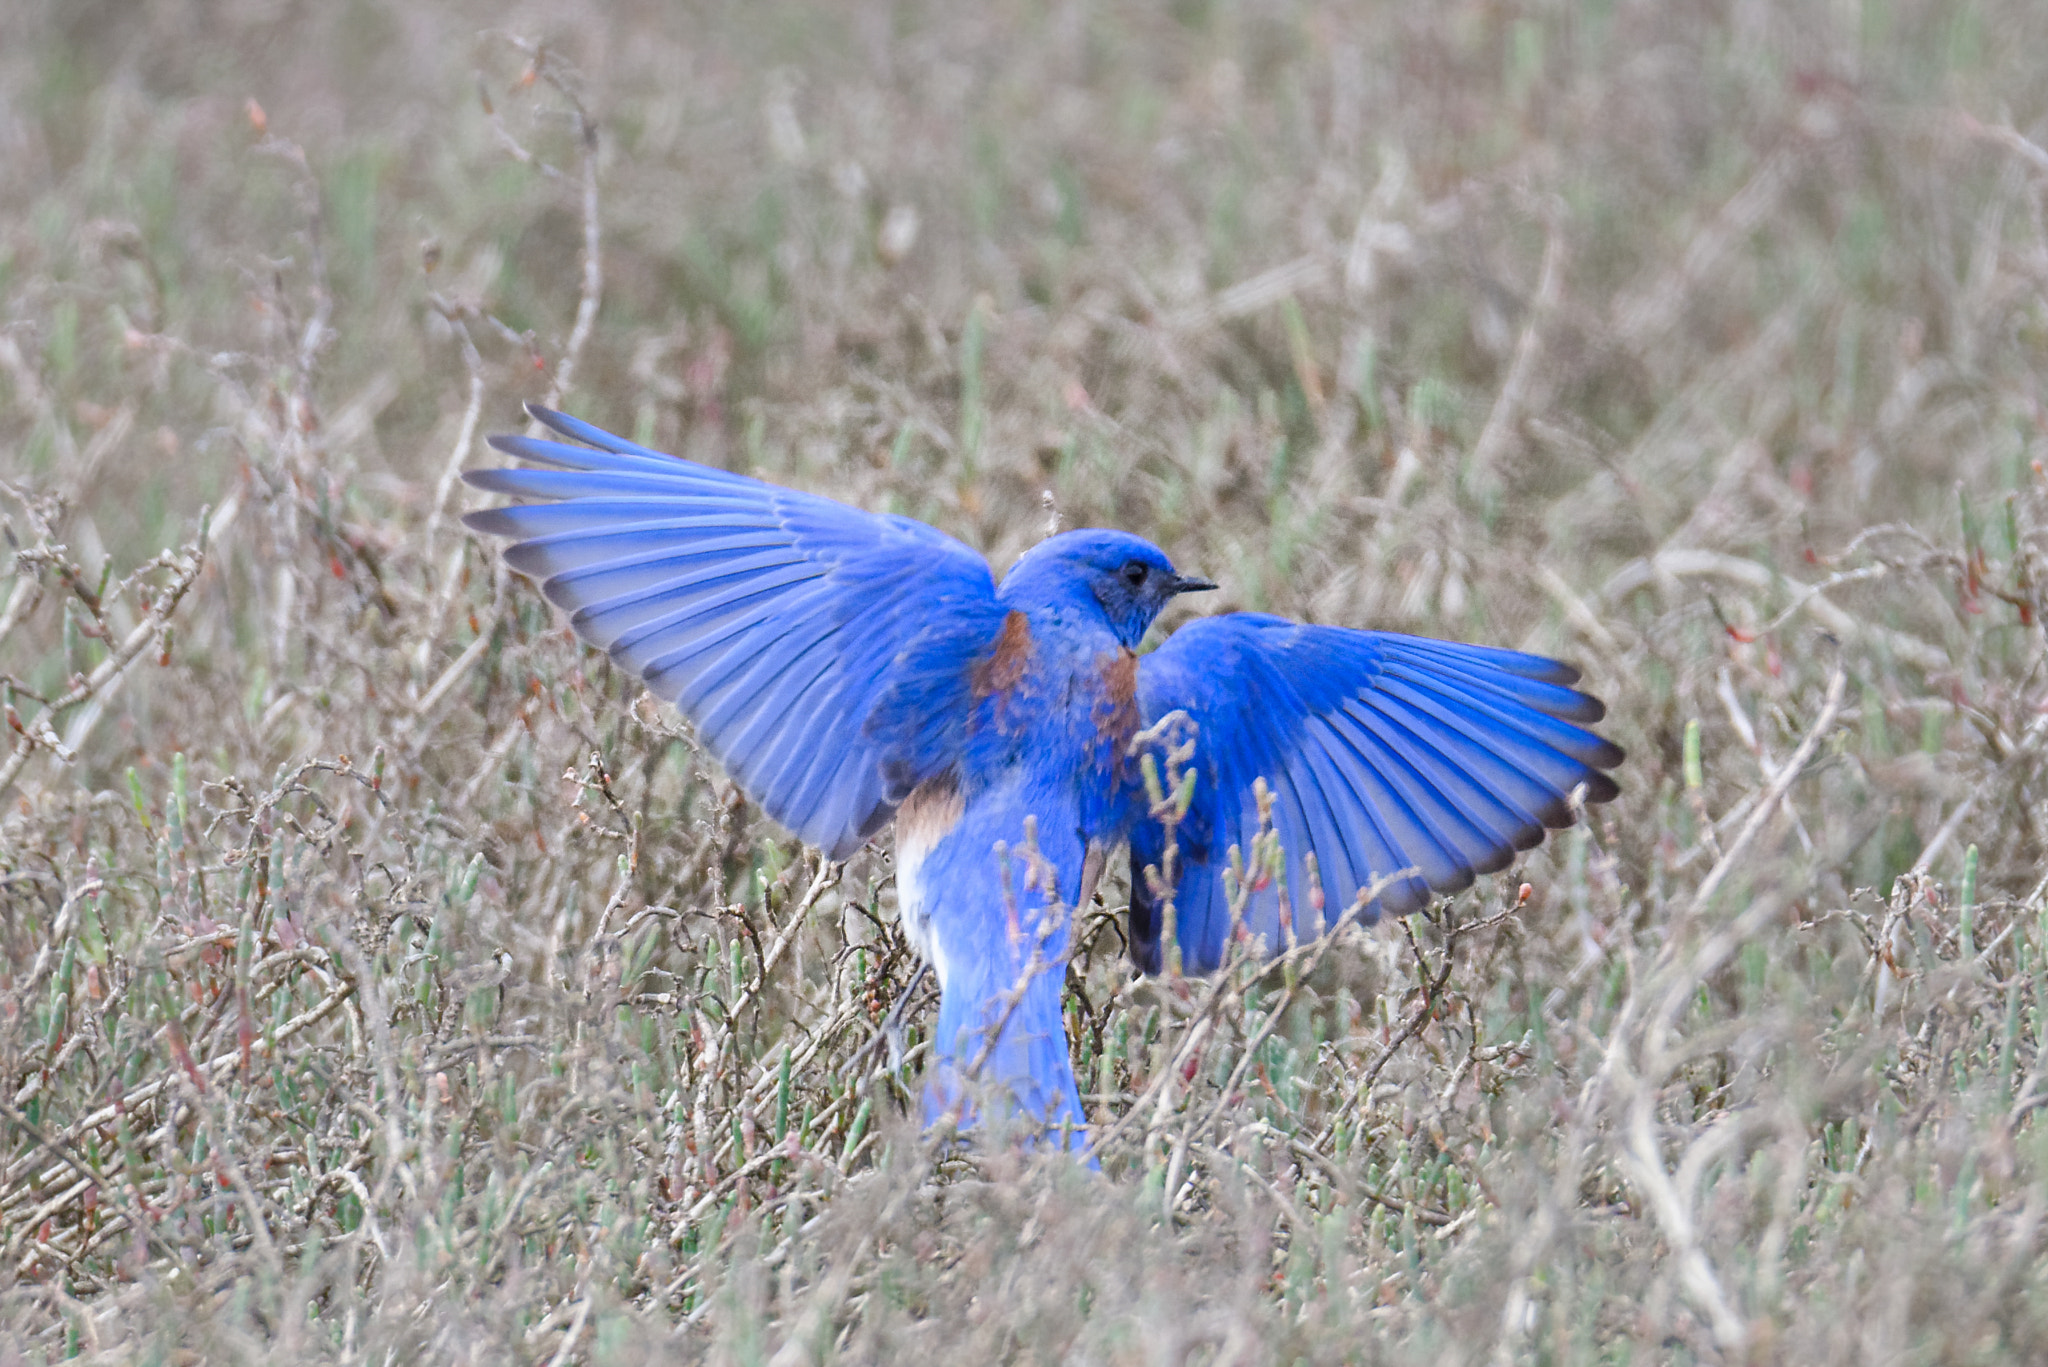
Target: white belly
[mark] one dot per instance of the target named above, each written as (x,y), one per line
(927,816)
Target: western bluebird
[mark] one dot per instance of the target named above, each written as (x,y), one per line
(849,668)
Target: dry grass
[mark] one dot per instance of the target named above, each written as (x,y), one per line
(382,979)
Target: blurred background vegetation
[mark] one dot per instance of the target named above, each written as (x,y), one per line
(384,978)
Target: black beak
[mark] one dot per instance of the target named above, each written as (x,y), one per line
(1187,583)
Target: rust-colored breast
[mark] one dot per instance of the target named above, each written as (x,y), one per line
(1116,710)
(1004,669)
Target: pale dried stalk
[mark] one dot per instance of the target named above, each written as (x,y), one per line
(465,436)
(261,1047)
(1497,436)
(107,674)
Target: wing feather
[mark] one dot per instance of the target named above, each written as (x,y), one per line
(825,654)
(1383,753)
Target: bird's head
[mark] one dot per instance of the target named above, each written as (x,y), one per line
(1128,578)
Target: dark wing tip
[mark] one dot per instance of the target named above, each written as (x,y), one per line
(1580,709)
(1498,856)
(1402,899)
(844,847)
(1462,877)
(495,480)
(531,561)
(1558,814)
(488,521)
(865,829)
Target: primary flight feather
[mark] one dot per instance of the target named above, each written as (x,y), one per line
(849,669)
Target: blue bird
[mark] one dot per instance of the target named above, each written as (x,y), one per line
(849,669)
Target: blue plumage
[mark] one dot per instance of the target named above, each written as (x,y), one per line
(849,668)
(1383,753)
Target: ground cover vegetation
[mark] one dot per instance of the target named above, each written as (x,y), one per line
(383,978)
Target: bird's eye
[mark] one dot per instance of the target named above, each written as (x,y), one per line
(1134,573)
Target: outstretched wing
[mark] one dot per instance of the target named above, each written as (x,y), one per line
(1382,753)
(824,653)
